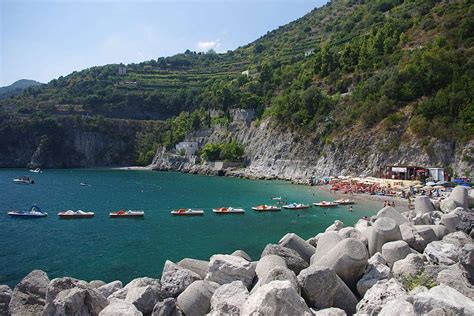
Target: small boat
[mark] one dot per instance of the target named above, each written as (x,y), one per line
(33,212)
(266,208)
(75,214)
(326,204)
(24,180)
(129,213)
(296,206)
(37,170)
(188,212)
(228,210)
(84,184)
(277,198)
(344,202)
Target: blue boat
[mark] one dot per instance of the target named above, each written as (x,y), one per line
(33,212)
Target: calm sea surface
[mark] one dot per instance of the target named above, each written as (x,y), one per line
(123,249)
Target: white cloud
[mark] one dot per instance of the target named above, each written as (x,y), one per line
(207,45)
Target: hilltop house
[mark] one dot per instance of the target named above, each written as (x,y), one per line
(187,148)
(309,52)
(122,71)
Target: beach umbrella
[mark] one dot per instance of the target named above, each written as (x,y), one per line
(428,187)
(430,183)
(418,186)
(442,183)
(438,187)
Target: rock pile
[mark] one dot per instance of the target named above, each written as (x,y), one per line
(412,263)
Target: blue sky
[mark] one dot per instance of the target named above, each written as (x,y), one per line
(42,40)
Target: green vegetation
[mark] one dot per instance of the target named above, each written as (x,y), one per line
(231,151)
(420,279)
(389,64)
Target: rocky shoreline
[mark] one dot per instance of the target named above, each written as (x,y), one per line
(394,263)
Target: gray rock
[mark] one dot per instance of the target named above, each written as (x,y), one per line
(275,298)
(200,267)
(196,299)
(348,259)
(5,297)
(384,230)
(144,293)
(440,231)
(332,311)
(395,250)
(412,265)
(445,297)
(167,307)
(423,205)
(322,288)
(226,269)
(351,232)
(412,238)
(337,226)
(326,242)
(450,221)
(175,279)
(458,239)
(96,283)
(466,220)
(397,307)
(418,289)
(362,225)
(380,294)
(455,277)
(28,297)
(313,241)
(265,264)
(427,218)
(280,274)
(298,244)
(110,288)
(447,205)
(68,296)
(376,270)
(442,253)
(392,213)
(120,308)
(241,254)
(466,259)
(471,198)
(427,233)
(292,258)
(460,197)
(229,299)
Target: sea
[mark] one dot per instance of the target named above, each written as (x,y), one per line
(102,248)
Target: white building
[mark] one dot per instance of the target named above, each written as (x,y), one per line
(309,52)
(187,149)
(122,71)
(436,173)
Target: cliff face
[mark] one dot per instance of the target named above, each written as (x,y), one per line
(276,152)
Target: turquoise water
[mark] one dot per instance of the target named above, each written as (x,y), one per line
(123,249)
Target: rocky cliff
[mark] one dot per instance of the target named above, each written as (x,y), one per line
(273,151)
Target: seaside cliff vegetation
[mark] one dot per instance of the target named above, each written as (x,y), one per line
(377,64)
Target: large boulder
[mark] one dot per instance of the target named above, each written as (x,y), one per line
(96,283)
(460,197)
(376,270)
(28,297)
(326,242)
(423,205)
(348,259)
(447,205)
(380,294)
(392,213)
(175,279)
(144,293)
(167,307)
(466,220)
(241,254)
(412,238)
(265,264)
(395,250)
(397,307)
(439,252)
(458,239)
(275,298)
(440,231)
(279,274)
(427,233)
(292,258)
(5,297)
(455,277)
(362,225)
(69,296)
(412,265)
(384,230)
(120,308)
(226,269)
(466,259)
(110,288)
(337,226)
(321,287)
(298,244)
(196,299)
(444,297)
(351,232)
(450,221)
(229,298)
(332,311)
(199,267)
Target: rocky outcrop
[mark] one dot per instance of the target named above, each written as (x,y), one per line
(5,297)
(196,299)
(174,279)
(229,299)
(29,296)
(226,269)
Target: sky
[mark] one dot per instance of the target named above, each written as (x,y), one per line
(42,40)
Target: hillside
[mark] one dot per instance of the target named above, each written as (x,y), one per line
(17,87)
(402,70)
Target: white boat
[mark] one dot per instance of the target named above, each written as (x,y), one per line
(129,213)
(266,208)
(277,198)
(83,184)
(33,212)
(326,204)
(344,202)
(24,180)
(296,206)
(187,212)
(37,170)
(75,214)
(228,210)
